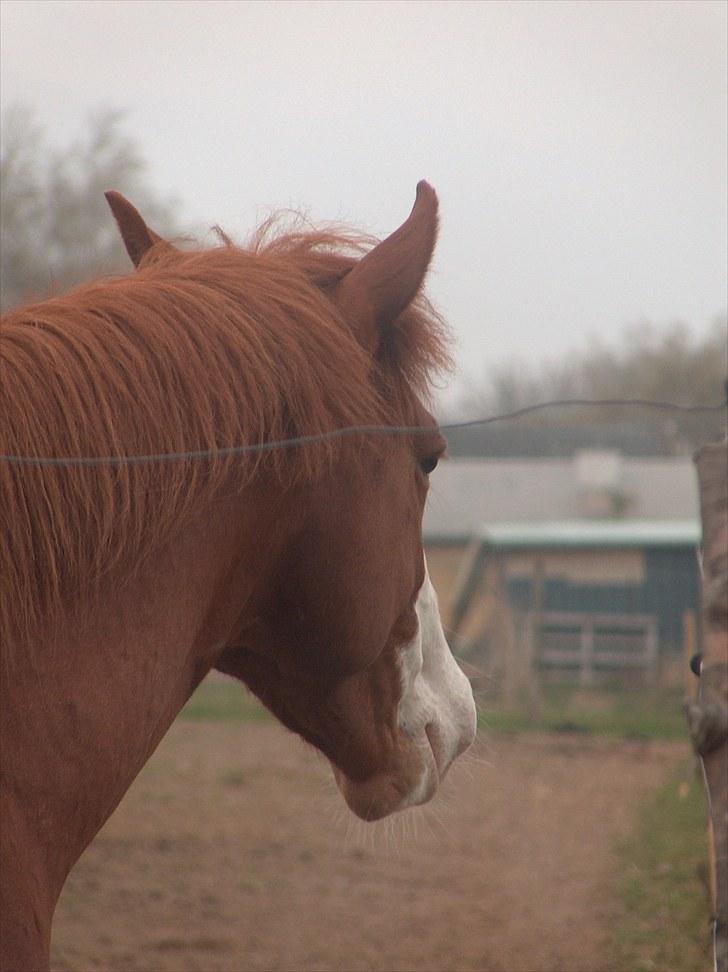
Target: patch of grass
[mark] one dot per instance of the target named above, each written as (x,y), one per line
(664,920)
(221,699)
(614,713)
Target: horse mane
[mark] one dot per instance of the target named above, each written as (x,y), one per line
(194,351)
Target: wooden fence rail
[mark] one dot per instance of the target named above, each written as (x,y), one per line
(594,643)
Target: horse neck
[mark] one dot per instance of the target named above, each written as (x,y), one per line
(88,704)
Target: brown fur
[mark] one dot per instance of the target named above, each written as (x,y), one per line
(297,571)
(194,351)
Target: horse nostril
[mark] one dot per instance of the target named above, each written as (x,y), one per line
(407,730)
(434,737)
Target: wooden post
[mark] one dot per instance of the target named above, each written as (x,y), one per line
(537,595)
(586,669)
(511,629)
(532,654)
(708,716)
(651,652)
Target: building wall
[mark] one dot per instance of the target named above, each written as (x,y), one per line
(666,586)
(580,566)
(444,563)
(664,582)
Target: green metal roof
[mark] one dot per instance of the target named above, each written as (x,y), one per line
(591,533)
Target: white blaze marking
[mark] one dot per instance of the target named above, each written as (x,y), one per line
(437,706)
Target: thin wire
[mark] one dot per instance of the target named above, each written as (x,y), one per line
(302,440)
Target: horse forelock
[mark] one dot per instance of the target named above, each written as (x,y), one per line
(195,351)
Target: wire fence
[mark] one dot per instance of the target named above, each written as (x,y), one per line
(340,433)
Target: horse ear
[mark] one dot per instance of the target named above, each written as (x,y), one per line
(385,281)
(138,238)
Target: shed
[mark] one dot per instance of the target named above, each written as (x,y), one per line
(614,531)
(621,586)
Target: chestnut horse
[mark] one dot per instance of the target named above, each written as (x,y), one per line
(298,570)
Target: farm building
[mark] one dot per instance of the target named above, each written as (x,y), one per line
(597,553)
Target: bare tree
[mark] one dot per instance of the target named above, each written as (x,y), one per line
(670,364)
(55,226)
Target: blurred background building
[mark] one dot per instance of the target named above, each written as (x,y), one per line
(585,563)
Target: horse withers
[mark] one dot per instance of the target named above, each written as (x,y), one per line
(156,527)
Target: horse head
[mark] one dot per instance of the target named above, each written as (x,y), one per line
(342,640)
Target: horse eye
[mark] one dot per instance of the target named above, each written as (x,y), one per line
(428,464)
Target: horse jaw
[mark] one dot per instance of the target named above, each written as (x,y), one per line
(437,721)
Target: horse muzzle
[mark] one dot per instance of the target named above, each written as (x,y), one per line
(436,718)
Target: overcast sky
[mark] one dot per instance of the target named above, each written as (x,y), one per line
(578,148)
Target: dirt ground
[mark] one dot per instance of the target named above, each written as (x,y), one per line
(233,851)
